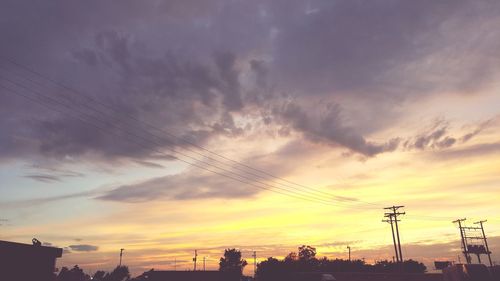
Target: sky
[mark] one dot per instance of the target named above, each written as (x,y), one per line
(163,127)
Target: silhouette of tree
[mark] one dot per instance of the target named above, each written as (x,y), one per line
(232,263)
(307,253)
(339,265)
(271,269)
(408,266)
(306,262)
(292,257)
(74,274)
(120,273)
(99,275)
(411,266)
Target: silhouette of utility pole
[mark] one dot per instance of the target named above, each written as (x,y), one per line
(485,241)
(204,259)
(393,219)
(390,220)
(254,263)
(121,254)
(195,258)
(349,249)
(462,236)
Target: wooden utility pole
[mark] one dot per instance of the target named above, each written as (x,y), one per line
(391,221)
(464,245)
(393,216)
(488,252)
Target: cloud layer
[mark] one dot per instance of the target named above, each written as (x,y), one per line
(196,74)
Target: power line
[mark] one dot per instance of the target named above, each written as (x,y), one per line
(297,195)
(246,180)
(314,196)
(249,182)
(88,98)
(304,191)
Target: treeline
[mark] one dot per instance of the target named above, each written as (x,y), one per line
(305,261)
(120,273)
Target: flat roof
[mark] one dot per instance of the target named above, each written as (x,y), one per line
(7,246)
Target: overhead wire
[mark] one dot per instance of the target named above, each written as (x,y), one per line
(165,132)
(298,189)
(238,177)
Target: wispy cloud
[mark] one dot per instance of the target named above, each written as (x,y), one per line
(48,174)
(83,248)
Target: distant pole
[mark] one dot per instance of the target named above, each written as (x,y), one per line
(121,254)
(204,258)
(254,263)
(485,241)
(349,249)
(195,258)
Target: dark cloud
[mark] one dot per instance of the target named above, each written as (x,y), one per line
(373,48)
(328,126)
(437,136)
(192,68)
(481,127)
(83,248)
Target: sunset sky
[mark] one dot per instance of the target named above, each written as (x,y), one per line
(163,127)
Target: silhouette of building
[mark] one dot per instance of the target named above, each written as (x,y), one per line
(440,265)
(188,276)
(468,272)
(19,262)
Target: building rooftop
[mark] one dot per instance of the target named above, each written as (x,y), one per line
(14,247)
